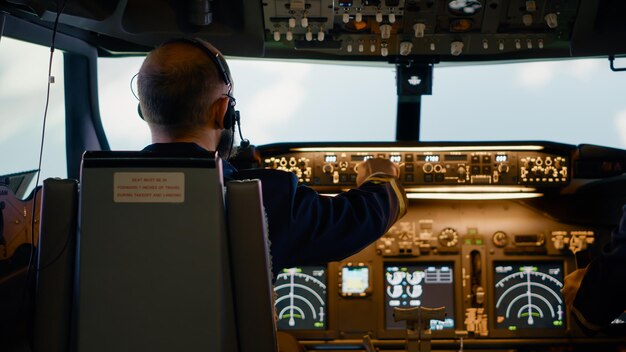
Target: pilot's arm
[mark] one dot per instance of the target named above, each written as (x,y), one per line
(597,294)
(306,228)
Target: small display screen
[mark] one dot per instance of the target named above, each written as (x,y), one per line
(456,157)
(429,158)
(355,280)
(395,158)
(419,285)
(528,295)
(330,158)
(301,298)
(361,157)
(502,158)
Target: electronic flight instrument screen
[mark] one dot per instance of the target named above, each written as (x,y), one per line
(528,295)
(414,285)
(301,298)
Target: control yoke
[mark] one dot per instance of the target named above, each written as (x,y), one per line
(418,333)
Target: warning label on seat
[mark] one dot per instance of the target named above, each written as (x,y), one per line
(148,187)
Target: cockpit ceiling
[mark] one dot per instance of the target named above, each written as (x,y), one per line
(353,30)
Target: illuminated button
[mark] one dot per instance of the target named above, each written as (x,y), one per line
(292,22)
(358,17)
(419,28)
(409,178)
(475,159)
(308,36)
(276,36)
(392,18)
(361,47)
(527,20)
(320,35)
(518,44)
(486,159)
(405,48)
(304,22)
(552,20)
(540,43)
(349,47)
(408,157)
(531,6)
(456,48)
(346,17)
(385,31)
(501,45)
(379,17)
(289,36)
(432,47)
(384,51)
(485,44)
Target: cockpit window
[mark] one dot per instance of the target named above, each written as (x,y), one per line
(572,101)
(278,101)
(23,84)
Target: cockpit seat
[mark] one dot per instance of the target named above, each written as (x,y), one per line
(165,260)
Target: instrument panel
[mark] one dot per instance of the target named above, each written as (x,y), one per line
(495,265)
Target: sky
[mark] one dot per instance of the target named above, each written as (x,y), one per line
(575,101)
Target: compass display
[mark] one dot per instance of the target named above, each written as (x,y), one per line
(414,285)
(528,295)
(301,298)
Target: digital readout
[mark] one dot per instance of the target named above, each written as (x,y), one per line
(432,158)
(330,158)
(395,158)
(502,158)
(361,157)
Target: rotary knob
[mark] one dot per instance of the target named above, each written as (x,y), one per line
(500,239)
(448,237)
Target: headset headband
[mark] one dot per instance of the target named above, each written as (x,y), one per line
(216,58)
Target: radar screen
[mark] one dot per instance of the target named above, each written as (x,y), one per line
(414,285)
(528,295)
(301,298)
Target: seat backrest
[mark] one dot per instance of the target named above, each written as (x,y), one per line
(55,266)
(251,271)
(153,269)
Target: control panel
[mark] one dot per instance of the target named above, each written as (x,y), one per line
(496,268)
(487,271)
(403,28)
(525,166)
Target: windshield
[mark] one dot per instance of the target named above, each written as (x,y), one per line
(573,101)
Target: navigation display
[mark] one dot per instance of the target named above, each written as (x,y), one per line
(413,285)
(301,298)
(528,295)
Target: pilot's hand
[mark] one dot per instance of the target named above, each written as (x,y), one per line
(570,286)
(375,165)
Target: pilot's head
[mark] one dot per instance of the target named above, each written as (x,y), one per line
(184,96)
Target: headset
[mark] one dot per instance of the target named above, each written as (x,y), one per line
(232,117)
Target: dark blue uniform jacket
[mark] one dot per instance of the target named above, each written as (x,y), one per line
(306,228)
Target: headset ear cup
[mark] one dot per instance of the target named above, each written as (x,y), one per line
(139,111)
(229,116)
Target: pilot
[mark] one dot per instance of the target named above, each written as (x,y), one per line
(597,294)
(185,90)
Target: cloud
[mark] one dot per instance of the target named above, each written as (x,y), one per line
(285,93)
(584,70)
(536,75)
(620,125)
